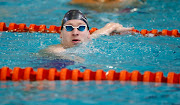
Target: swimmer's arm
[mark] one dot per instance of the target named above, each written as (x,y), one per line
(110,28)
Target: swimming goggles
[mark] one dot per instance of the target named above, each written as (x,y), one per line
(70,27)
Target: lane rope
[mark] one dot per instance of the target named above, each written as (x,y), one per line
(13,27)
(28,74)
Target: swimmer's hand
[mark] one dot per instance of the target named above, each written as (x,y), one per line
(111,28)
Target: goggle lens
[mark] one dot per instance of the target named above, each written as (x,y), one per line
(81,28)
(69,28)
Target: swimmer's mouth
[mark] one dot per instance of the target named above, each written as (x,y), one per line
(76,41)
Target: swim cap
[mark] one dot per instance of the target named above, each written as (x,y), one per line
(74,14)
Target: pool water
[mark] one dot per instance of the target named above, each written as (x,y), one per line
(126,52)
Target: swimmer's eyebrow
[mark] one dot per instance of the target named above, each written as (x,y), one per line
(75,24)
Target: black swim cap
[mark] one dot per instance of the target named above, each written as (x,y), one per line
(74,14)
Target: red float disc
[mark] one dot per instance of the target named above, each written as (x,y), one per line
(52,73)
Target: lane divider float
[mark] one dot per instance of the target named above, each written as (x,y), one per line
(28,74)
(13,27)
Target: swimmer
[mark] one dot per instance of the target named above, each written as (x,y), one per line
(75,31)
(108,5)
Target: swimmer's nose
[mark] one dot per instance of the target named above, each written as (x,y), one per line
(75,32)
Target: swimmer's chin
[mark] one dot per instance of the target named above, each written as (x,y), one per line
(78,44)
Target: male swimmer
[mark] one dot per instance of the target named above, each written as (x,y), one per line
(75,31)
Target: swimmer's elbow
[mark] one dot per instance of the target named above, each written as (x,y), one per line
(100,32)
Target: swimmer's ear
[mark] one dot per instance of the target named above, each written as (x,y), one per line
(60,36)
(89,35)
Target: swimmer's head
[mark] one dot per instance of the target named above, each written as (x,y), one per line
(74,14)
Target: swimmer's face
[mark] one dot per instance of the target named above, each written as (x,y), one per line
(74,37)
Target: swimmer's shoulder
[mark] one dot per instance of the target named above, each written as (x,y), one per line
(53,49)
